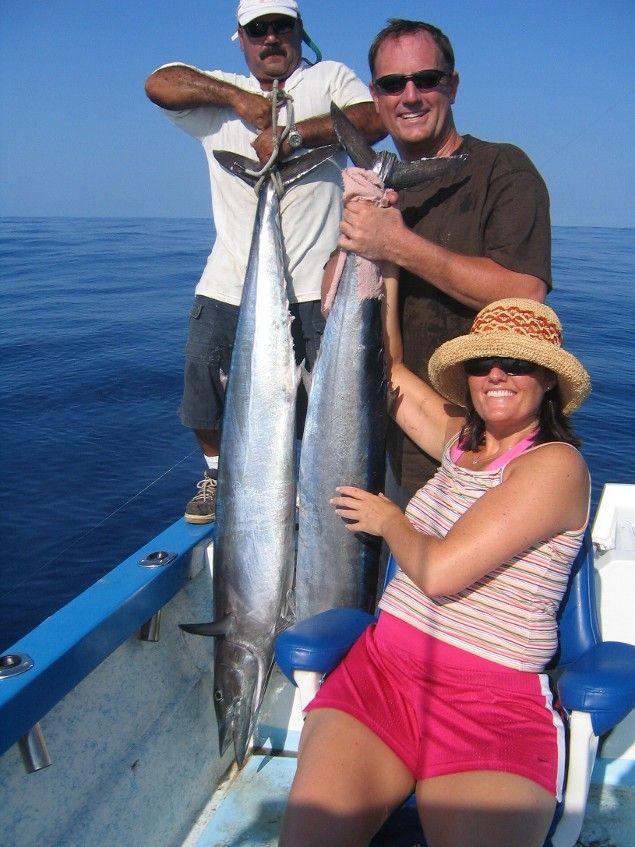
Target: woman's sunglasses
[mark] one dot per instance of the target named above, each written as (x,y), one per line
(513,367)
(395,83)
(259,28)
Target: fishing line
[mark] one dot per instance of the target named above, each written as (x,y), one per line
(74,541)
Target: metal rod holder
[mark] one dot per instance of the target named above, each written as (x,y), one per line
(157,559)
(151,629)
(35,754)
(14,664)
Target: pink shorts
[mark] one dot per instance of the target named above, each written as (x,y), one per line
(443,710)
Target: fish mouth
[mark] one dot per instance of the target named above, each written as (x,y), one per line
(235,727)
(238,689)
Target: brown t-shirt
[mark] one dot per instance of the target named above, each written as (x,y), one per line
(496,205)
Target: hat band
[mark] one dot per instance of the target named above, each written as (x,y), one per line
(522,322)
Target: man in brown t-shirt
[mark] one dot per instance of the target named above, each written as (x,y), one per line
(476,235)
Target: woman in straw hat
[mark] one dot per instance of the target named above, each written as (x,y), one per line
(446,694)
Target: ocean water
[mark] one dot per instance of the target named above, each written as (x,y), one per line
(93,326)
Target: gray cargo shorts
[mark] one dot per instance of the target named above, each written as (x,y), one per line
(208,351)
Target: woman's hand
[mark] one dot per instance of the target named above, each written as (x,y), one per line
(365,512)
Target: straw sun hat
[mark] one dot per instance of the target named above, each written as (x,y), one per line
(515,328)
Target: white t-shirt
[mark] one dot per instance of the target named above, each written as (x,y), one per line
(310,209)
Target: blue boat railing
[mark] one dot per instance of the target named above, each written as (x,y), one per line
(40,669)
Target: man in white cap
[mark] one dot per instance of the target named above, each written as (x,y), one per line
(226,111)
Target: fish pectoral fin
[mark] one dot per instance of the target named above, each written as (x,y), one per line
(219,627)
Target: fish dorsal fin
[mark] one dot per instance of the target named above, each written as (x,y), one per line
(219,627)
(394,173)
(290,170)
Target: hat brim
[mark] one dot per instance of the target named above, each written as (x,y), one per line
(448,376)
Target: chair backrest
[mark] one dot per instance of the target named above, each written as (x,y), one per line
(391,570)
(578,624)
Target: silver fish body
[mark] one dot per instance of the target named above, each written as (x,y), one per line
(254,546)
(344,435)
(343,443)
(254,540)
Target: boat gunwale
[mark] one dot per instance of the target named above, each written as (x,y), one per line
(77,638)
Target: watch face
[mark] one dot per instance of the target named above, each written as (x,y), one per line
(294,138)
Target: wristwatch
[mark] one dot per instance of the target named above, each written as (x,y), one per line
(295,139)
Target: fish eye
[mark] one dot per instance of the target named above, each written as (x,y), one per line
(218,695)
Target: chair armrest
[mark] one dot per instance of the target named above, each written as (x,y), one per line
(319,643)
(601,682)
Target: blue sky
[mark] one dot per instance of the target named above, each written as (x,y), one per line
(79,137)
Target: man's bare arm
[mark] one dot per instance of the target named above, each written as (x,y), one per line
(182,87)
(318,131)
(380,233)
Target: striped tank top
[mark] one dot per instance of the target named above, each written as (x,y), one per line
(509,615)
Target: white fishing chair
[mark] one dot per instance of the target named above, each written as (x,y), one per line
(595,681)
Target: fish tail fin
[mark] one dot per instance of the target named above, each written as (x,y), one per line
(409,174)
(293,170)
(290,171)
(352,140)
(239,165)
(394,173)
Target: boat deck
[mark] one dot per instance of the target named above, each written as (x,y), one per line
(247,809)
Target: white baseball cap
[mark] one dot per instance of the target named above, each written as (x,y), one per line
(249,10)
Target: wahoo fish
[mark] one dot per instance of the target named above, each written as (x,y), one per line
(343,442)
(254,546)
(347,416)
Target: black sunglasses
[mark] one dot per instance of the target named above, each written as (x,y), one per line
(395,83)
(513,367)
(259,28)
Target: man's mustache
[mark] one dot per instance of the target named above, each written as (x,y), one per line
(273,50)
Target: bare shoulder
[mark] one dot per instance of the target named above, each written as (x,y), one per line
(556,458)
(556,472)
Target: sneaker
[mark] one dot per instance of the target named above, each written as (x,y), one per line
(202,507)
